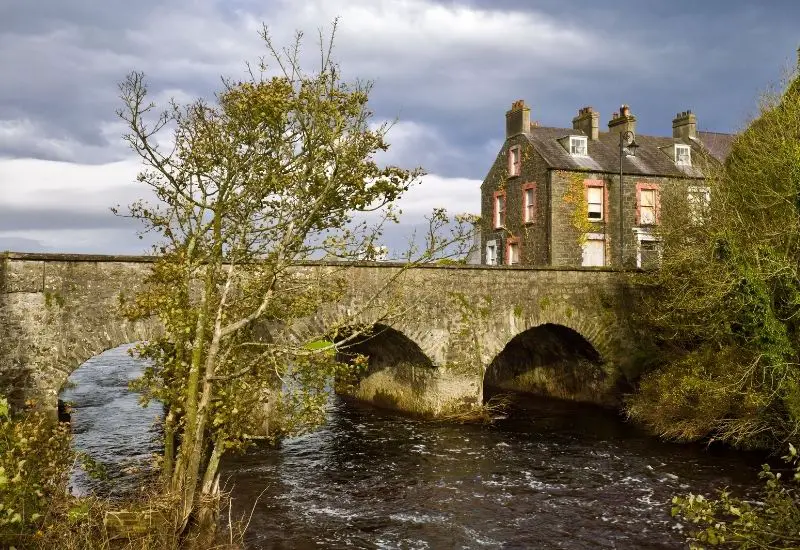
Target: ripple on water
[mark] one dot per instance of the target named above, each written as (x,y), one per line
(109,424)
(559,477)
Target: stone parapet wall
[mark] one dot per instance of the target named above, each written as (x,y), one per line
(57,310)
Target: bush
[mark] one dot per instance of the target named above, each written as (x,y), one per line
(37,510)
(771,522)
(35,461)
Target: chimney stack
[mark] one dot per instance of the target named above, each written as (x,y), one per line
(518,119)
(623,121)
(588,121)
(684,125)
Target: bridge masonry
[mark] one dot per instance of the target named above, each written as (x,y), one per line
(58,310)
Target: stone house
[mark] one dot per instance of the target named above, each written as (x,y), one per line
(552,196)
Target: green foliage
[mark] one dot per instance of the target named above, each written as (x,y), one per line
(772,521)
(575,196)
(725,304)
(35,458)
(37,510)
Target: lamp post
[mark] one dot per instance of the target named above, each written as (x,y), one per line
(627,145)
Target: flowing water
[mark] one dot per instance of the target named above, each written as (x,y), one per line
(553,475)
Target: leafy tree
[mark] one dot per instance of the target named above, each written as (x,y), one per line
(249,187)
(725,305)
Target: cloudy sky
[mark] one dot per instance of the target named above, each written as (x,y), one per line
(446,70)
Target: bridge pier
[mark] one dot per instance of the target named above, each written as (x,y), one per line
(419,390)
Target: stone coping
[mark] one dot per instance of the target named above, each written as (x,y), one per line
(109,258)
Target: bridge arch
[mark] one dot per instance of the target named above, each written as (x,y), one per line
(553,360)
(94,341)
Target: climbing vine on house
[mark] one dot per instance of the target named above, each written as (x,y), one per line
(575,195)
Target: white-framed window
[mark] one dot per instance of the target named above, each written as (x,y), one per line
(512,251)
(499,209)
(698,198)
(594,250)
(529,203)
(578,146)
(594,200)
(648,249)
(491,252)
(647,206)
(683,155)
(514,160)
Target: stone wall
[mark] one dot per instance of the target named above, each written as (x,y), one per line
(566,249)
(533,236)
(56,311)
(553,238)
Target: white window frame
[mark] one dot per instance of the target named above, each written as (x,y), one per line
(512,252)
(594,238)
(696,210)
(529,206)
(491,252)
(644,235)
(514,165)
(602,203)
(681,149)
(500,220)
(578,146)
(653,207)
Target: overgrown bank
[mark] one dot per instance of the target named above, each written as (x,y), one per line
(37,510)
(724,314)
(725,305)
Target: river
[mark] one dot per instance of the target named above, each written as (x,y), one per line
(551,475)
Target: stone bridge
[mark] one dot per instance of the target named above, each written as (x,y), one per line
(555,331)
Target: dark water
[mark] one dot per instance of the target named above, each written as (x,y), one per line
(552,476)
(109,424)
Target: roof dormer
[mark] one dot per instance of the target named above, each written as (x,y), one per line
(680,153)
(576,145)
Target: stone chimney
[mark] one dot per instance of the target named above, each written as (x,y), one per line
(684,125)
(518,119)
(622,121)
(588,121)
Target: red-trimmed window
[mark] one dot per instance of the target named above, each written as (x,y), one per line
(499,209)
(529,203)
(514,160)
(512,250)
(596,200)
(647,204)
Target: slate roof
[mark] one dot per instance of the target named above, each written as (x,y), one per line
(651,159)
(719,145)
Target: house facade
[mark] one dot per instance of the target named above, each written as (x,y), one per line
(553,195)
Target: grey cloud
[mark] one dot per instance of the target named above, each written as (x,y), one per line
(21,244)
(28,219)
(62,61)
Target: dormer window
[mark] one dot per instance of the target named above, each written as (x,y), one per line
(683,155)
(577,146)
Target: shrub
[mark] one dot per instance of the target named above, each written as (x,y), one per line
(773,521)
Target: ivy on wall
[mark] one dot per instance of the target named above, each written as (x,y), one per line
(575,195)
